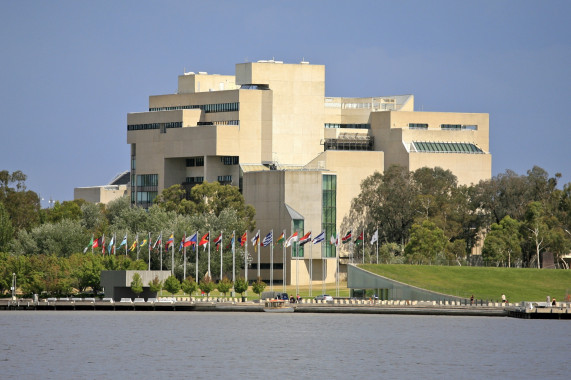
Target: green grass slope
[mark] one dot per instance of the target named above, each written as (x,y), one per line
(484,283)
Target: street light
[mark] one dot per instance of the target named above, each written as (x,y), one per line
(14,286)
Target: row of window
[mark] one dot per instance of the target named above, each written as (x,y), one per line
(147,180)
(229,160)
(349,126)
(194,180)
(207,108)
(142,127)
(195,161)
(224,178)
(445,147)
(329,212)
(143,198)
(444,126)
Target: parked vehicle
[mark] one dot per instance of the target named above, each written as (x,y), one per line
(324,297)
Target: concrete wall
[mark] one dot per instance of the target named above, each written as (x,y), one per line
(358,278)
(117,284)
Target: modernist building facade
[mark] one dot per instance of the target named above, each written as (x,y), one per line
(297,155)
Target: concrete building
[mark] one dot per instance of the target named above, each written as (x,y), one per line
(117,188)
(298,156)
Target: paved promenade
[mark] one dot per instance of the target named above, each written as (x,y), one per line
(453,308)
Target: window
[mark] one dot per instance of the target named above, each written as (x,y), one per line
(194,180)
(224,178)
(459,127)
(162,126)
(445,147)
(194,161)
(297,250)
(147,180)
(347,126)
(417,126)
(329,212)
(229,160)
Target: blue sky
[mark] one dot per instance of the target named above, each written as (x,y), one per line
(72,70)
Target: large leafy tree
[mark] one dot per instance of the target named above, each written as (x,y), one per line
(427,241)
(6,230)
(503,242)
(206,198)
(22,205)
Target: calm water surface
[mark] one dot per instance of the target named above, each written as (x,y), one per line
(207,345)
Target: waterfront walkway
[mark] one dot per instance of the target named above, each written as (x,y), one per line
(455,308)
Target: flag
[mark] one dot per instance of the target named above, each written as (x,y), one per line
(170,241)
(281,239)
(103,244)
(218,240)
(269,239)
(256,238)
(123,242)
(244,239)
(205,239)
(375,237)
(360,238)
(143,243)
(158,241)
(305,239)
(292,239)
(334,240)
(190,240)
(319,238)
(133,246)
(90,244)
(111,244)
(96,243)
(346,238)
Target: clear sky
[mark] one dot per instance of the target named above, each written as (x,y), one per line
(70,71)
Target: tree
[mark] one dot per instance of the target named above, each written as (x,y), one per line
(6,230)
(86,271)
(207,198)
(137,284)
(189,285)
(536,228)
(241,285)
(155,285)
(64,210)
(22,205)
(172,285)
(258,287)
(426,242)
(206,285)
(224,285)
(503,242)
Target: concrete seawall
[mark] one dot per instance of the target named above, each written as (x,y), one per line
(562,311)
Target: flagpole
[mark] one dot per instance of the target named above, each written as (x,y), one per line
(221,247)
(115,243)
(377,244)
(184,256)
(323,274)
(92,237)
(310,270)
(149,251)
(259,253)
(172,255)
(233,262)
(284,264)
(161,248)
(126,243)
(209,275)
(363,241)
(337,259)
(196,257)
(103,245)
(246,262)
(272,262)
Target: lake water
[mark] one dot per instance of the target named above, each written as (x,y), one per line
(210,345)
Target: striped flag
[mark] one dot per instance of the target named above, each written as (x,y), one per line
(269,239)
(305,239)
(319,238)
(346,238)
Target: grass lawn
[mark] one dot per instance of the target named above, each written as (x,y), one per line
(484,283)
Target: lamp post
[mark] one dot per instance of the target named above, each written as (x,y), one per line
(13,286)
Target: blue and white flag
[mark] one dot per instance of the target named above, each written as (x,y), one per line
(269,239)
(124,241)
(319,238)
